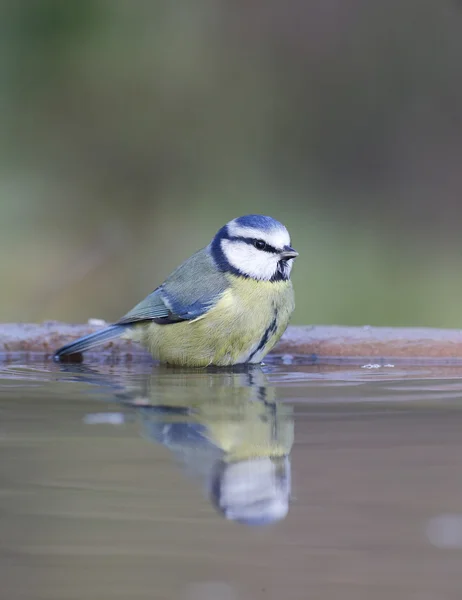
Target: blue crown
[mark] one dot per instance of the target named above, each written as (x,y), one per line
(261,222)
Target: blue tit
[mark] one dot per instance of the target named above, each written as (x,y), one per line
(228,304)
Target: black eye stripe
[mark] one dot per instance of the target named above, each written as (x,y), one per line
(251,242)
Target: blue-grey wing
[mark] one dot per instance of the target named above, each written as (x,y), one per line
(189,292)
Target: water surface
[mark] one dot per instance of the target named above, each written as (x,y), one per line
(290,481)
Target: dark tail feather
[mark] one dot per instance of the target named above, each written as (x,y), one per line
(89,341)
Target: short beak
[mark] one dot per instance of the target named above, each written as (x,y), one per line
(288,253)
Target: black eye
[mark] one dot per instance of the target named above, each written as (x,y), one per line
(259,244)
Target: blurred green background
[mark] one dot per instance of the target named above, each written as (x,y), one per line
(132,130)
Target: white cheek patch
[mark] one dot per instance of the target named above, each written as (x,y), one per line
(278,238)
(250,261)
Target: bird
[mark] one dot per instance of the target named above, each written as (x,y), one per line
(228,304)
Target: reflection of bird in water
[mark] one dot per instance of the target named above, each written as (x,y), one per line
(228,431)
(233,435)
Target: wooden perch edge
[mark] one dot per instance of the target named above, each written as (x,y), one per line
(317,343)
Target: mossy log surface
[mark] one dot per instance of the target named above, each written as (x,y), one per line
(317,343)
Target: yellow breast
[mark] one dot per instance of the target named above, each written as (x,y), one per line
(242,327)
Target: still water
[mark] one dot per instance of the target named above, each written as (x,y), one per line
(288,481)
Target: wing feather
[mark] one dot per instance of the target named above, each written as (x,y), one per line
(187,294)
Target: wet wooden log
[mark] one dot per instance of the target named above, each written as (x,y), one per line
(316,343)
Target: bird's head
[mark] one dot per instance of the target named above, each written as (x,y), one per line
(254,246)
